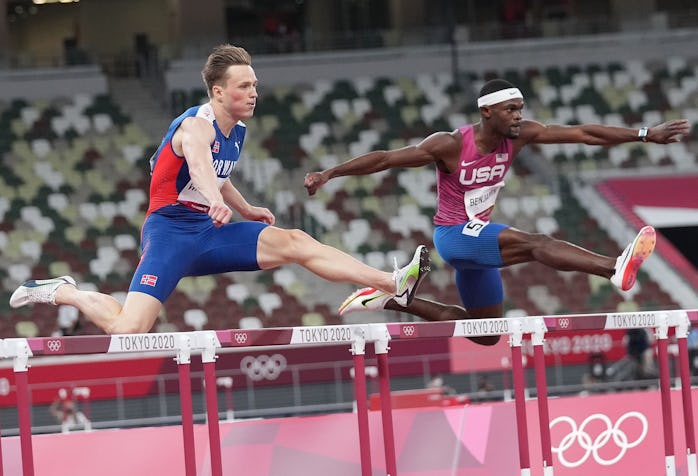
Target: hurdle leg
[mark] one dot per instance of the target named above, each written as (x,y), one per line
(515,340)
(662,334)
(537,338)
(358,348)
(2,352)
(25,424)
(19,350)
(208,357)
(684,369)
(386,407)
(1,465)
(185,401)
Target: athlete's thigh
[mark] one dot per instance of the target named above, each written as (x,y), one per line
(279,246)
(470,245)
(480,288)
(167,253)
(139,313)
(517,246)
(232,247)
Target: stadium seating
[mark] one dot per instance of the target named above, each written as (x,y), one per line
(74,184)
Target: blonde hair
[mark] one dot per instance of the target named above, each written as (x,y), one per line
(219,60)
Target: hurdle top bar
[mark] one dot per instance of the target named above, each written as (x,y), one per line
(337,334)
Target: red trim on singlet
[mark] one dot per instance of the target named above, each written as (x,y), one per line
(197,207)
(163,190)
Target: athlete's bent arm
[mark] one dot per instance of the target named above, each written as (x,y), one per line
(426,152)
(194,138)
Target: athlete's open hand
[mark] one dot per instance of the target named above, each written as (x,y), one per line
(670,131)
(313,181)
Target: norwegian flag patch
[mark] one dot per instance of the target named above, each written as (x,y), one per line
(216,147)
(149,280)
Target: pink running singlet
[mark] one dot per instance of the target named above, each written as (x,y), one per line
(471,190)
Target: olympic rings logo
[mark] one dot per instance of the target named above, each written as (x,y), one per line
(563,323)
(409,331)
(591,445)
(263,367)
(53,345)
(240,337)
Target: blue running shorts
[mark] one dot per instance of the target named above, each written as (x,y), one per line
(178,242)
(472,249)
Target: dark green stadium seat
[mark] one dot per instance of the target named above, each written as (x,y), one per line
(196,97)
(178,101)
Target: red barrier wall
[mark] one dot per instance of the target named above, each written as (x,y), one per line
(65,372)
(479,440)
(139,370)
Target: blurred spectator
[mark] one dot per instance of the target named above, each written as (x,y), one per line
(512,14)
(484,390)
(73,54)
(484,384)
(281,34)
(438,382)
(556,9)
(638,363)
(66,412)
(146,54)
(596,373)
(639,349)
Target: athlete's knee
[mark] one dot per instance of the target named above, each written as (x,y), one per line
(538,243)
(295,244)
(453,313)
(540,239)
(487,312)
(127,326)
(485,340)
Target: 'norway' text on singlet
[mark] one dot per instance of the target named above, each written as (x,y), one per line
(171,183)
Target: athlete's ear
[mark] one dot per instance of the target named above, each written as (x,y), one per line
(485,112)
(216,92)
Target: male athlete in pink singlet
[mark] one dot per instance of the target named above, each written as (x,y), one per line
(471,163)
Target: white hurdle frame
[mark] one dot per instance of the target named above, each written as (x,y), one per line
(206,343)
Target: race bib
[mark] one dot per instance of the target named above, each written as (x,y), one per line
(481,199)
(474,227)
(191,194)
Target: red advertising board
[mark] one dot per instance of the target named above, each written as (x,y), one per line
(560,348)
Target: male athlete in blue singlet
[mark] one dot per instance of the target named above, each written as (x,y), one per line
(187,231)
(195,246)
(471,163)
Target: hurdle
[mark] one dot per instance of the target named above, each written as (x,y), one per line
(661,321)
(206,343)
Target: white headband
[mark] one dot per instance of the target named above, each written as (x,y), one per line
(499,96)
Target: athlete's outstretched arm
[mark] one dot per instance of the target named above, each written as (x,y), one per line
(426,152)
(595,134)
